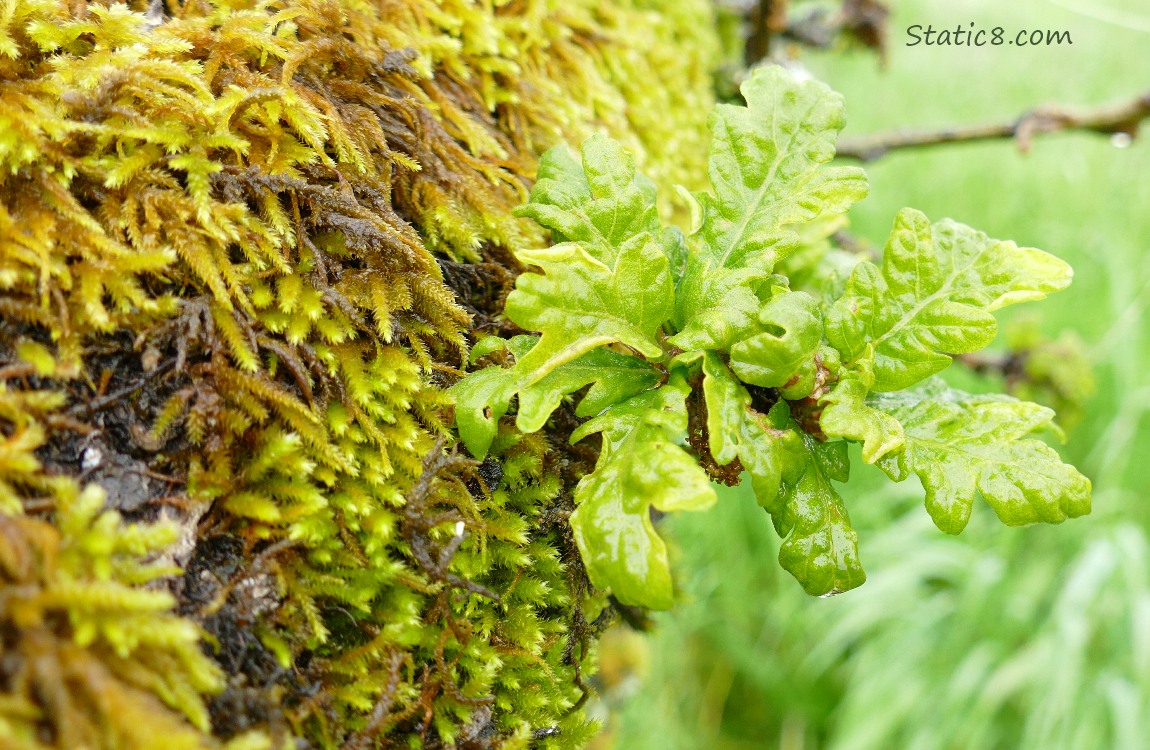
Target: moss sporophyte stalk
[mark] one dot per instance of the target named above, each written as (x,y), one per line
(245,248)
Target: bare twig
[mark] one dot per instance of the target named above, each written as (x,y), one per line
(1108,119)
(765,18)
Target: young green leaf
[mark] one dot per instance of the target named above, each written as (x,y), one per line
(639,467)
(820,549)
(580,303)
(664,407)
(610,281)
(960,445)
(934,296)
(716,307)
(613,378)
(599,203)
(791,331)
(487,345)
(768,177)
(481,399)
(766,169)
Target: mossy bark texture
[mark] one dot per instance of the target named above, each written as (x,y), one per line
(243,248)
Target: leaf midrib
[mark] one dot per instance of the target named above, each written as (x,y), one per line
(766,184)
(944,291)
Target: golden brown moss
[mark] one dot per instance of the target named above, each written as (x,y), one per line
(93,656)
(223,229)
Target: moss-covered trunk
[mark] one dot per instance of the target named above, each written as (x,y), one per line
(243,247)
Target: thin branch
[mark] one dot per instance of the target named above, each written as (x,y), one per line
(1108,119)
(765,18)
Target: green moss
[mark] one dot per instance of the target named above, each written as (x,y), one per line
(94,656)
(243,246)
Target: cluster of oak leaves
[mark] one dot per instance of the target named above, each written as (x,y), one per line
(701,339)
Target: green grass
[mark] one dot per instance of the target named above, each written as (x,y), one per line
(1000,638)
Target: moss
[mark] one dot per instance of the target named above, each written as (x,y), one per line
(243,246)
(92,653)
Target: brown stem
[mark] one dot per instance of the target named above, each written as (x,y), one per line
(766,18)
(1108,119)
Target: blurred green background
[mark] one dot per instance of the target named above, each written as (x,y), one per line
(1000,638)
